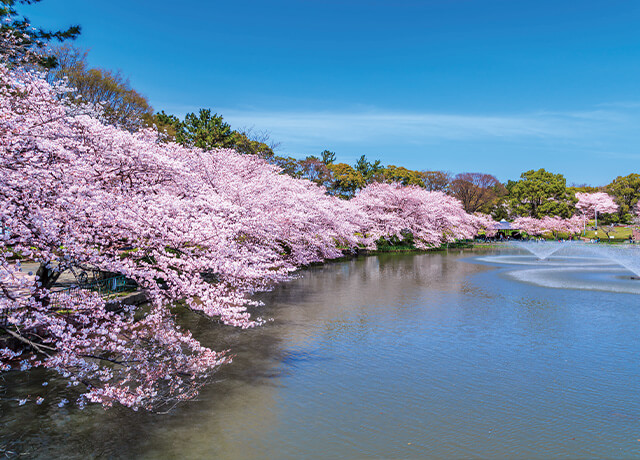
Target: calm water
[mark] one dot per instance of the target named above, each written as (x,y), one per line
(429,355)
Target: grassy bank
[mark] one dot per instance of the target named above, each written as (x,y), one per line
(618,234)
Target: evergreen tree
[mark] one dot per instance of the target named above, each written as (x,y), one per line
(540,193)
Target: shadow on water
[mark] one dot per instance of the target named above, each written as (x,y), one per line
(49,431)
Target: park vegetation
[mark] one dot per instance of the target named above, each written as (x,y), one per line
(200,216)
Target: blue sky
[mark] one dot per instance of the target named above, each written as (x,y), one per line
(498,86)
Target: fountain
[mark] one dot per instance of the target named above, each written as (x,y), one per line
(541,249)
(598,267)
(626,255)
(574,254)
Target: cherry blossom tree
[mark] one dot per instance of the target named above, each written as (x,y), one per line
(548,224)
(201,230)
(433,218)
(636,214)
(485,223)
(589,203)
(558,225)
(197,230)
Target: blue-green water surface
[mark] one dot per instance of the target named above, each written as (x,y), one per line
(394,356)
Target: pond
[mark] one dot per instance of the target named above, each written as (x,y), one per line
(436,355)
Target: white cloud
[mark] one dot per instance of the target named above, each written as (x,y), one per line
(423,127)
(573,141)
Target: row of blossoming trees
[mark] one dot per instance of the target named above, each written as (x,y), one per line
(203,230)
(199,229)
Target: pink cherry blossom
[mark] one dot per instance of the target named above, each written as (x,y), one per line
(201,230)
(433,218)
(205,229)
(548,224)
(589,203)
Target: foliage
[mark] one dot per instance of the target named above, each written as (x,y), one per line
(345,180)
(538,194)
(368,170)
(166,125)
(476,191)
(626,191)
(485,224)
(249,142)
(328,157)
(398,174)
(436,181)
(208,131)
(313,169)
(204,130)
(108,93)
(583,188)
(549,224)
(287,165)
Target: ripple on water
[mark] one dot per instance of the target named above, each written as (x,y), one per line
(591,279)
(574,261)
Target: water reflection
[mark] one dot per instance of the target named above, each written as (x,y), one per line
(392,356)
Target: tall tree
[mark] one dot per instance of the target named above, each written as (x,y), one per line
(540,193)
(346,181)
(328,157)
(288,165)
(368,170)
(166,124)
(313,169)
(476,191)
(246,141)
(251,142)
(626,190)
(401,175)
(108,92)
(205,131)
(590,203)
(436,181)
